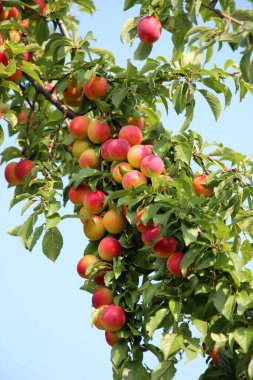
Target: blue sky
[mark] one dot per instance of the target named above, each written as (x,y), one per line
(45,329)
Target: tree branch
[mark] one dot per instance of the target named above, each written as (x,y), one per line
(237,176)
(222,15)
(63,28)
(67,112)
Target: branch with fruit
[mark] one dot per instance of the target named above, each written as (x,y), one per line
(164,239)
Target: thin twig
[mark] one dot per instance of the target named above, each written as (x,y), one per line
(232,171)
(222,15)
(236,175)
(63,28)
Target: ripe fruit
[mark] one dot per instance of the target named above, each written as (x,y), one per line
(104,150)
(102,296)
(76,194)
(137,153)
(42,9)
(198,181)
(132,134)
(94,229)
(15,77)
(149,29)
(113,318)
(164,247)
(167,177)
(10,175)
(89,159)
(114,221)
(117,170)
(152,164)
(79,146)
(22,117)
(133,179)
(4,15)
(215,357)
(98,132)
(24,23)
(26,56)
(93,201)
(84,214)
(173,263)
(3,59)
(139,225)
(1,6)
(98,323)
(118,149)
(137,122)
(13,13)
(111,338)
(99,279)
(84,263)
(73,96)
(23,168)
(78,127)
(109,248)
(15,35)
(96,89)
(150,233)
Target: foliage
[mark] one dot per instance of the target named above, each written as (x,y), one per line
(215,233)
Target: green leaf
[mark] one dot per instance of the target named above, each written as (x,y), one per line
(15,231)
(243,14)
(119,353)
(11,118)
(201,325)
(184,152)
(27,228)
(155,321)
(135,370)
(190,234)
(189,117)
(175,308)
(1,135)
(41,31)
(87,6)
(247,251)
(213,102)
(149,292)
(34,238)
(10,85)
(129,4)
(10,153)
(102,52)
(52,220)
(132,71)
(224,303)
(164,371)
(170,344)
(188,259)
(143,50)
(127,27)
(31,70)
(118,96)
(52,243)
(178,4)
(250,368)
(244,337)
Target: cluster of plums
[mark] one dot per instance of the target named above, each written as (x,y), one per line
(132,164)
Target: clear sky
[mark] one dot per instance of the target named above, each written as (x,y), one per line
(45,329)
